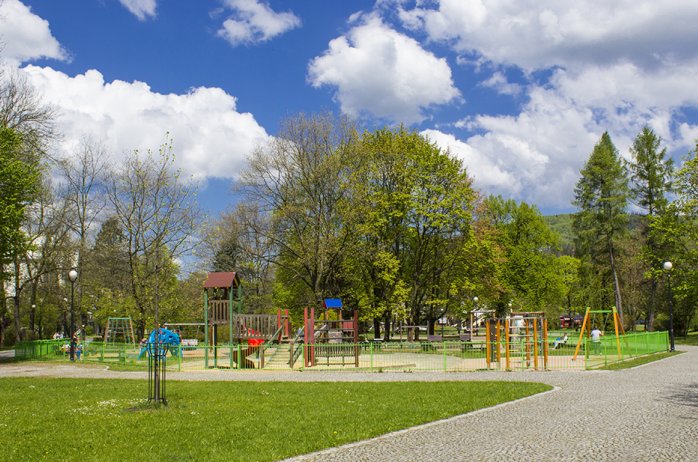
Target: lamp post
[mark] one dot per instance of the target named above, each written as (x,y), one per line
(73,276)
(667,267)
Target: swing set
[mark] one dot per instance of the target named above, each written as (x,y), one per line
(592,316)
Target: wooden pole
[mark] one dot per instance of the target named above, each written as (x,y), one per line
(312,336)
(356,337)
(488,345)
(287,324)
(230,326)
(497,338)
(535,343)
(206,328)
(545,344)
(506,343)
(306,351)
(527,342)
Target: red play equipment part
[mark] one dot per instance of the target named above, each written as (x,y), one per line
(252,340)
(334,339)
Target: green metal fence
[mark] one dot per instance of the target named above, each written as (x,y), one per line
(456,356)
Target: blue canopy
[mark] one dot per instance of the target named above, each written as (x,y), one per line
(333,303)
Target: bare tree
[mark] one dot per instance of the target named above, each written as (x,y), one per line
(157,211)
(49,246)
(84,190)
(297,179)
(239,242)
(22,110)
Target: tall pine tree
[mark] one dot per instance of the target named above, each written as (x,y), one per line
(601,195)
(650,181)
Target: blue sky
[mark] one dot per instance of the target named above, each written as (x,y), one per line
(519,90)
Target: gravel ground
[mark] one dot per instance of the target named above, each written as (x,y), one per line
(647,413)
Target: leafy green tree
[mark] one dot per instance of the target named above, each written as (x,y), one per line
(601,195)
(381,183)
(19,184)
(107,267)
(299,180)
(20,181)
(650,181)
(568,267)
(529,269)
(676,233)
(439,224)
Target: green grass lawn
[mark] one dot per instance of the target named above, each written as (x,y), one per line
(627,364)
(691,339)
(80,419)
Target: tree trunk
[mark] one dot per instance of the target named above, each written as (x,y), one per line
(651,309)
(616,285)
(18,288)
(386,328)
(32,312)
(3,307)
(376,328)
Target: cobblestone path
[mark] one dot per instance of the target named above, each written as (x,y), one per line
(649,413)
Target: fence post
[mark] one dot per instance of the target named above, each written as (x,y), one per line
(647,347)
(605,356)
(585,342)
(370,350)
(443,347)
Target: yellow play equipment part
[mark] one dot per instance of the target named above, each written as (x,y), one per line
(586,327)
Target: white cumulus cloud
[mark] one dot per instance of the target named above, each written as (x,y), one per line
(534,34)
(211,138)
(380,72)
(25,36)
(254,21)
(609,66)
(142,9)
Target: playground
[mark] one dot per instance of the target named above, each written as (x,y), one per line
(329,339)
(634,409)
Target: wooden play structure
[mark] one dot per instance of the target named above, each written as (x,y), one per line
(119,330)
(333,339)
(591,319)
(233,338)
(520,340)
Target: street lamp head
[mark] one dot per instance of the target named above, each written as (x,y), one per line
(73,275)
(667,266)
(475,299)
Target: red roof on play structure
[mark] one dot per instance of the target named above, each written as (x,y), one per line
(221,280)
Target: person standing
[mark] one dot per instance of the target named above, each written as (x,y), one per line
(596,340)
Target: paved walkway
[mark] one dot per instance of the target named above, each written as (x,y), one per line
(643,414)
(649,413)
